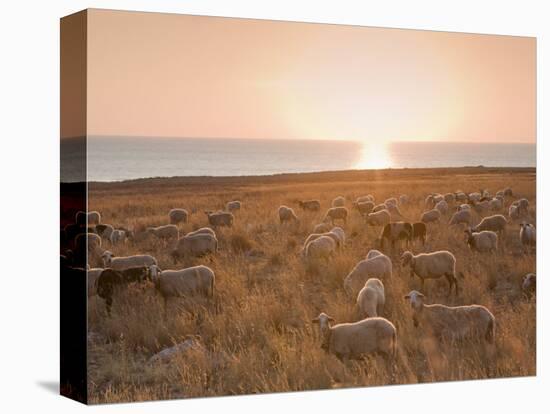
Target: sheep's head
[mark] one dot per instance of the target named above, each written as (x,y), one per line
(324,325)
(107,257)
(529,283)
(406,258)
(416,300)
(153,273)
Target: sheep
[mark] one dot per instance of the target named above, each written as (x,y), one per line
(338,202)
(379,207)
(514,212)
(202,230)
(233,206)
(453,322)
(496,204)
(196,280)
(91,218)
(117,236)
(394,211)
(419,232)
(220,218)
(193,245)
(178,215)
(496,223)
(365,198)
(373,253)
(322,247)
(460,197)
(443,207)
(391,202)
(464,207)
(166,232)
(523,206)
(340,234)
(110,280)
(322,228)
(483,241)
(527,235)
(380,218)
(87,247)
(395,231)
(431,216)
(449,198)
(403,199)
(429,202)
(529,284)
(364,207)
(432,266)
(336,213)
(377,265)
(461,217)
(126,262)
(358,339)
(310,205)
(474,197)
(287,215)
(481,207)
(104,231)
(371,299)
(314,236)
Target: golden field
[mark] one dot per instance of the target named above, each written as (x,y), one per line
(256,332)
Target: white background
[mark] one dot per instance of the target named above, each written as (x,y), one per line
(29,134)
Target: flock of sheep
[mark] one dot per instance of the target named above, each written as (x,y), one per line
(364,284)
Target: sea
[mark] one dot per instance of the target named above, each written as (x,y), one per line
(128,158)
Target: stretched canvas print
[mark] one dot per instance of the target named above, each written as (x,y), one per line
(253,206)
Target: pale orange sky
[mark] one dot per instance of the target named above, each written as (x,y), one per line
(158,74)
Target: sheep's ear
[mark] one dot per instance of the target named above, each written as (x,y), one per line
(421,295)
(407,297)
(331,319)
(315,320)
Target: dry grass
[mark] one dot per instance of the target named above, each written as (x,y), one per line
(256,332)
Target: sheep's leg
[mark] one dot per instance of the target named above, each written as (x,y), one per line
(108,304)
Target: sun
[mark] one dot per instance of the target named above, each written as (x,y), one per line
(373,156)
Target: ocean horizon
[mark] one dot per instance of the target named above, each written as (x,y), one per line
(128,158)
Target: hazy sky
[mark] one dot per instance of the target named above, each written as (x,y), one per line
(173,75)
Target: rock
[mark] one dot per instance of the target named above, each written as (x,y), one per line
(168,353)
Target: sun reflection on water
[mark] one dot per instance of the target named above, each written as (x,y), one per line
(373,156)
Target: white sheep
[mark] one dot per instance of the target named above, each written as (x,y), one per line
(376,265)
(461,197)
(336,213)
(364,207)
(514,212)
(321,248)
(496,204)
(126,262)
(322,228)
(483,241)
(358,339)
(496,223)
(202,230)
(196,280)
(193,245)
(338,202)
(431,216)
(449,198)
(287,215)
(461,217)
(233,205)
(395,213)
(91,218)
(379,218)
(117,236)
(168,231)
(527,236)
(340,234)
(371,299)
(432,266)
(443,207)
(93,275)
(453,322)
(391,202)
(220,218)
(178,215)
